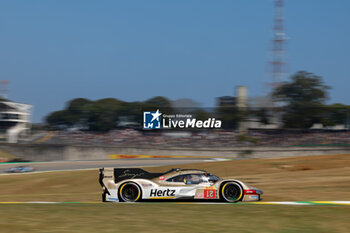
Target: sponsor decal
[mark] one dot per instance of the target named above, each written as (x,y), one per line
(162,193)
(200,195)
(130,175)
(146,185)
(249,191)
(209,193)
(254,197)
(161,178)
(157,120)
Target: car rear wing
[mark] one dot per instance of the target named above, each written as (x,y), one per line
(120,174)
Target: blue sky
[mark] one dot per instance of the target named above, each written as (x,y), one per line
(53,51)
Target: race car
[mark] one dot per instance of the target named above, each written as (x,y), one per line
(136,184)
(20,169)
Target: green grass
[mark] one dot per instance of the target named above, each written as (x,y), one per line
(168,217)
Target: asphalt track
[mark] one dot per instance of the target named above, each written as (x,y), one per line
(80,165)
(301,203)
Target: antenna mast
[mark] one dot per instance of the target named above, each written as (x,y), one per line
(278,62)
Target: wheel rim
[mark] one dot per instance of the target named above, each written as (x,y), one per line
(129,192)
(232,192)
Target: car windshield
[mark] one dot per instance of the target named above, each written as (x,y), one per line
(194,178)
(189,178)
(213,178)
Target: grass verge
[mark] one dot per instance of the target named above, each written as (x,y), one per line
(153,217)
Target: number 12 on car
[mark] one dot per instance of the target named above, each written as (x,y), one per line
(209,193)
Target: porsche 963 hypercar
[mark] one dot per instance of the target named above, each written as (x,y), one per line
(136,184)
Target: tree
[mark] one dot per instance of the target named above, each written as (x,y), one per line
(78,106)
(78,110)
(230,116)
(60,119)
(100,115)
(201,114)
(156,103)
(336,114)
(103,114)
(261,114)
(131,111)
(302,99)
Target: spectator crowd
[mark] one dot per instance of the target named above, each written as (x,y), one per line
(130,137)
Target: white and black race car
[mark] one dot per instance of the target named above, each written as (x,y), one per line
(135,184)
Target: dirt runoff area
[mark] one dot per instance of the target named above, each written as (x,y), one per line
(308,178)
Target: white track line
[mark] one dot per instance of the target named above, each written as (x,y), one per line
(38,172)
(287,203)
(334,203)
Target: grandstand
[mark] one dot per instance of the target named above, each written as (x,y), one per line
(14,120)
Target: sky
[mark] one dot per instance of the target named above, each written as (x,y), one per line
(57,50)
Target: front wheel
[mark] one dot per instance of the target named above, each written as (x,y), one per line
(129,192)
(231,192)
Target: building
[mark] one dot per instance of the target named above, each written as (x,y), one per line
(14,120)
(184,103)
(243,103)
(226,101)
(241,97)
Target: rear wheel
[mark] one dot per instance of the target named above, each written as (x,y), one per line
(104,196)
(231,192)
(129,192)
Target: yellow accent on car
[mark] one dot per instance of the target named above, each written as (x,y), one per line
(223,187)
(121,188)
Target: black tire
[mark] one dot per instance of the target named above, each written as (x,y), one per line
(104,196)
(129,192)
(231,192)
